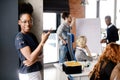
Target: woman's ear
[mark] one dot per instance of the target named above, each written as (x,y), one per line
(19,22)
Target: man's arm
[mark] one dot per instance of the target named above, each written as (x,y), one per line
(59,33)
(103,41)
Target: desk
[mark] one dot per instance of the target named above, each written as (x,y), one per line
(79,76)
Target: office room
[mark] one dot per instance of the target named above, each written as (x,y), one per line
(84,19)
(89,21)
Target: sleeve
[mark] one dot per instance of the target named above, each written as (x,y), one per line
(85,57)
(60,30)
(77,54)
(20,42)
(81,55)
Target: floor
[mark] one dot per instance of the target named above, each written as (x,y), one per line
(50,73)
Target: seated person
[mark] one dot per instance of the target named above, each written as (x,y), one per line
(115,75)
(82,53)
(106,62)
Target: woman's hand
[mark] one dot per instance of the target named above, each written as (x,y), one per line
(86,47)
(88,51)
(45,36)
(64,42)
(73,21)
(103,41)
(29,63)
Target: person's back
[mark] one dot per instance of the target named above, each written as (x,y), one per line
(106,62)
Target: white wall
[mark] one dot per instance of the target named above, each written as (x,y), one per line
(91,29)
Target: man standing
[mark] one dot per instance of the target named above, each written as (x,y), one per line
(112,32)
(62,31)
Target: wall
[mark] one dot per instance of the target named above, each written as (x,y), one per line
(37,17)
(77,11)
(8,30)
(92,27)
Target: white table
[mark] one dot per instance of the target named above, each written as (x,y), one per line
(79,76)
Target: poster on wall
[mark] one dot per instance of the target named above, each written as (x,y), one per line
(91,29)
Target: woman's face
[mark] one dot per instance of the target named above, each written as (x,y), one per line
(25,23)
(82,43)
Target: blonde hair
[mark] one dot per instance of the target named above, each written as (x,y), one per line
(78,39)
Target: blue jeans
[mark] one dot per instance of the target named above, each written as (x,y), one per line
(62,53)
(70,77)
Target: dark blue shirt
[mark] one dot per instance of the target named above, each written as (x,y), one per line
(112,34)
(21,41)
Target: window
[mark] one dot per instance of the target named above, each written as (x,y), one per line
(49,21)
(118,14)
(106,8)
(118,18)
(50,47)
(90,8)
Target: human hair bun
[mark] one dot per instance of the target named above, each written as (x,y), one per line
(25,8)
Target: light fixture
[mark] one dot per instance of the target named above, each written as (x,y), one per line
(84,2)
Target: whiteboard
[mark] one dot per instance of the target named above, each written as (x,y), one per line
(91,29)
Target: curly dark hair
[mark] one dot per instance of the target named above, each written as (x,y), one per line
(111,53)
(24,8)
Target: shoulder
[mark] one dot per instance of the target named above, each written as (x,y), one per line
(111,63)
(63,25)
(20,41)
(60,28)
(113,27)
(19,36)
(109,66)
(79,50)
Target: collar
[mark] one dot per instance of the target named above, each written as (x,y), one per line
(110,25)
(79,48)
(65,23)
